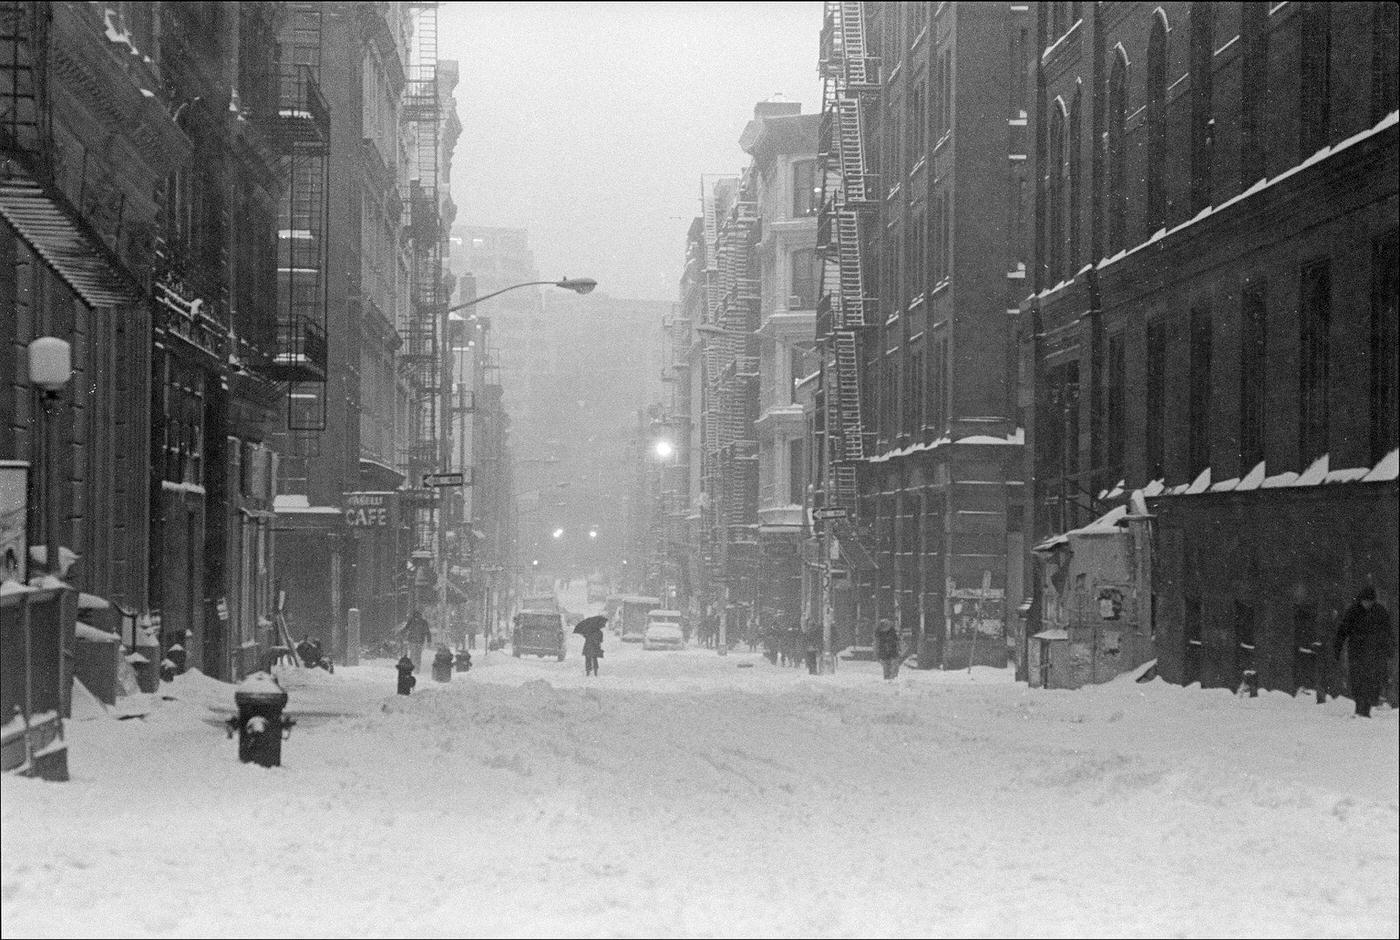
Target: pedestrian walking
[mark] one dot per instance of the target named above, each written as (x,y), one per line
(1365,631)
(592,652)
(887,647)
(415,634)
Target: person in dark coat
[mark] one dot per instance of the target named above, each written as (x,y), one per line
(592,652)
(416,635)
(1365,630)
(887,647)
(813,649)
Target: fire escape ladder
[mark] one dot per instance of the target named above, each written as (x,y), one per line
(849,76)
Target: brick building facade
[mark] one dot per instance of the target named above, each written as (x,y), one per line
(1213,310)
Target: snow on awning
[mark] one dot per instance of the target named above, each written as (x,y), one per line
(78,258)
(854,553)
(1052,635)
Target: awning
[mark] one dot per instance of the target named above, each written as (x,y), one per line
(81,260)
(855,554)
(1051,635)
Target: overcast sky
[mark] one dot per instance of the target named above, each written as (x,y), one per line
(590,123)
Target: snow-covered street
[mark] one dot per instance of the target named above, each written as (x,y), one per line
(684,793)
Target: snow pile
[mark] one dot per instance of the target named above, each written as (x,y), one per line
(679,794)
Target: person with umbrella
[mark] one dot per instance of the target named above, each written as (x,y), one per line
(591,628)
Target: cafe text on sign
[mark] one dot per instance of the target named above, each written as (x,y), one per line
(369,510)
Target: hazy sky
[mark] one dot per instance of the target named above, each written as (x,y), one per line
(590,123)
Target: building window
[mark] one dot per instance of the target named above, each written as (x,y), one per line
(1385,62)
(804,279)
(1117,151)
(918,119)
(1253,375)
(938,401)
(806,192)
(1115,415)
(940,237)
(918,22)
(942,95)
(913,395)
(1157,124)
(1020,61)
(1156,398)
(797,471)
(1202,125)
(1315,303)
(1054,191)
(1385,344)
(1254,90)
(917,255)
(1076,179)
(1314,86)
(1198,430)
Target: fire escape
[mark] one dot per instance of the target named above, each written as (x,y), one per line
(300,134)
(735,382)
(850,79)
(421,355)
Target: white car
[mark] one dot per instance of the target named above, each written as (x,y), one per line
(663,635)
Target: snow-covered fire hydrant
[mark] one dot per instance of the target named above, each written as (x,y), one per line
(260,724)
(442,665)
(407,680)
(463,661)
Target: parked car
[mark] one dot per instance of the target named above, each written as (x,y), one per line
(632,616)
(663,631)
(538,632)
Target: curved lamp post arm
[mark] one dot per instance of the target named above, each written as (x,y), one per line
(579,285)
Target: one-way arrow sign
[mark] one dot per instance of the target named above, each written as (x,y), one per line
(829,512)
(446,479)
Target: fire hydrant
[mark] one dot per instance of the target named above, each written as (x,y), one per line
(407,680)
(464,660)
(260,724)
(442,665)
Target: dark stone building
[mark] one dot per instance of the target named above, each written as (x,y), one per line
(942,225)
(1213,312)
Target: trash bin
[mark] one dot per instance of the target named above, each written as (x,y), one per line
(442,665)
(260,724)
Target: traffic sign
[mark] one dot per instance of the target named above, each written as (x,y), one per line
(829,512)
(458,478)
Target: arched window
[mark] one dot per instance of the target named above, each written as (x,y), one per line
(1385,62)
(1076,179)
(1202,128)
(1314,86)
(1157,123)
(1117,151)
(1054,192)
(1254,89)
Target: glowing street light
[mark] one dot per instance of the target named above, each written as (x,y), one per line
(593,533)
(558,533)
(664,448)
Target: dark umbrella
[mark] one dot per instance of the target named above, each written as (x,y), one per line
(592,624)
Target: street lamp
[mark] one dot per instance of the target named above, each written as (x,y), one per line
(663,448)
(50,368)
(579,285)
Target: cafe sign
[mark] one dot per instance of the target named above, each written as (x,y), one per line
(371,510)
